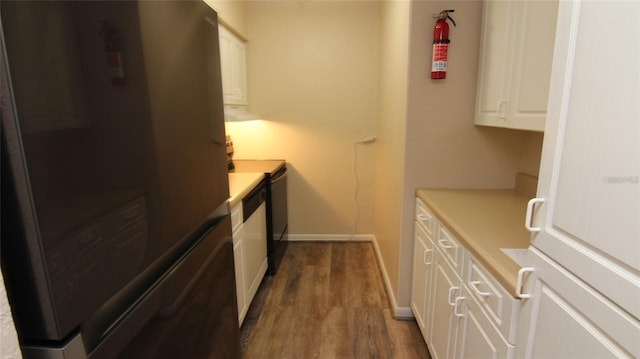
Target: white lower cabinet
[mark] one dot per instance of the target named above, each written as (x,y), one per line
(476,337)
(461,309)
(423,257)
(442,326)
(250,254)
(238,256)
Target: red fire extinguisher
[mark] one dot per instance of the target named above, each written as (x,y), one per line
(112,50)
(441,45)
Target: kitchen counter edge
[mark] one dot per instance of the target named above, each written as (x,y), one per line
(240,184)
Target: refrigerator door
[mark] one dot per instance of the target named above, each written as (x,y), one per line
(107,176)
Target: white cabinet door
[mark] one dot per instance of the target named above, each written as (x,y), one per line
(255,250)
(493,74)
(533,54)
(589,180)
(238,261)
(233,66)
(569,319)
(447,286)
(238,257)
(476,337)
(422,264)
(515,63)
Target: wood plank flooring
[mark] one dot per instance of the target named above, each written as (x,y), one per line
(327,301)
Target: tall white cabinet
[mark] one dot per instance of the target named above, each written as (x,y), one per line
(515,63)
(584,286)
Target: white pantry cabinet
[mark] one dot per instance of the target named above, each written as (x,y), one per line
(515,63)
(233,66)
(585,284)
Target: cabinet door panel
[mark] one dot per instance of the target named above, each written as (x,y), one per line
(532,64)
(476,337)
(238,257)
(446,289)
(233,66)
(422,263)
(494,55)
(571,320)
(591,156)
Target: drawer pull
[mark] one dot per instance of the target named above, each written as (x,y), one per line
(423,217)
(445,244)
(451,291)
(456,306)
(474,286)
(424,259)
(519,283)
(529,216)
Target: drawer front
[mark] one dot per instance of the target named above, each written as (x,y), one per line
(236,216)
(494,299)
(424,217)
(451,248)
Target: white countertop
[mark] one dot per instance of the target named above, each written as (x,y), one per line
(240,184)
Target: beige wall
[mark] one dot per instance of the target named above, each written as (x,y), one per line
(390,151)
(324,74)
(313,77)
(444,148)
(231,13)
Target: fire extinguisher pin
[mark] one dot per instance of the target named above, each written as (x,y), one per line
(444,15)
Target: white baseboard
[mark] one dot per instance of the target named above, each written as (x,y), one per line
(330,237)
(398,312)
(404,313)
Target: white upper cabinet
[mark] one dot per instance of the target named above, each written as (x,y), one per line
(515,63)
(233,65)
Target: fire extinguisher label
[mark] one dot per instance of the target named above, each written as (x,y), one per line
(439,62)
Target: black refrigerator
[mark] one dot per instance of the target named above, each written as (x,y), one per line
(115,233)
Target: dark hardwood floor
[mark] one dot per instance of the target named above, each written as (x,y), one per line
(327,301)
